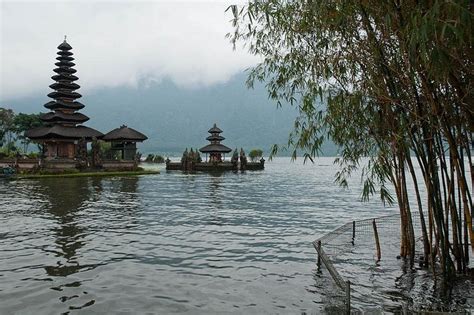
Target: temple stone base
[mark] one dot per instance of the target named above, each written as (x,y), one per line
(123,165)
(214,167)
(64,165)
(59,164)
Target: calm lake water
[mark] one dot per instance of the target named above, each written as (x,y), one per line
(173,242)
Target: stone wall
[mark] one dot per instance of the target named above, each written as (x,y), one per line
(118,165)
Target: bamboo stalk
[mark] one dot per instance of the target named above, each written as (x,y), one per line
(377,242)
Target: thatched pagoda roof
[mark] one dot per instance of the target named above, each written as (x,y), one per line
(215,148)
(214,129)
(124,133)
(59,131)
(215,138)
(63,104)
(62,117)
(64,46)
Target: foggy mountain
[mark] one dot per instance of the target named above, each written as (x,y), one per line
(174,118)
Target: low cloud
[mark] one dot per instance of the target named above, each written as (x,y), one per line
(117,43)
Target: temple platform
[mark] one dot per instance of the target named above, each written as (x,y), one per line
(60,165)
(214,167)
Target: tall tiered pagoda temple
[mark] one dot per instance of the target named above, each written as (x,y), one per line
(63,133)
(215,149)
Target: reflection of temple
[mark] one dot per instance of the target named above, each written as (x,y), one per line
(69,233)
(218,197)
(73,226)
(124,192)
(191,161)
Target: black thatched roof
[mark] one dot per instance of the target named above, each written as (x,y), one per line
(64,77)
(124,133)
(64,94)
(65,85)
(65,63)
(64,46)
(214,129)
(65,53)
(64,69)
(215,138)
(59,131)
(215,148)
(62,104)
(66,58)
(67,117)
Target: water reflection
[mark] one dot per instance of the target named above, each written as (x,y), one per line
(66,198)
(123,191)
(215,191)
(215,199)
(129,185)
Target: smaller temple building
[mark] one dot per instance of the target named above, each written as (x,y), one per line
(215,157)
(124,141)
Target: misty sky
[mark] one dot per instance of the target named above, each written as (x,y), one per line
(116,43)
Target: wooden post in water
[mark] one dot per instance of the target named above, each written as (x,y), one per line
(353,231)
(319,256)
(377,243)
(348,297)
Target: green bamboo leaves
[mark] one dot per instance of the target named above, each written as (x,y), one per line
(390,81)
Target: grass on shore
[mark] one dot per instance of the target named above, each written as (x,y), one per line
(87,174)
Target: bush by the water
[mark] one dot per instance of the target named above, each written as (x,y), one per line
(255,154)
(152,158)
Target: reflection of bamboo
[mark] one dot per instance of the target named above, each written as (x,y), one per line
(377,243)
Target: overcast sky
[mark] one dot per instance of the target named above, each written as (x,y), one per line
(116,43)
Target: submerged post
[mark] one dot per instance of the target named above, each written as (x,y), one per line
(377,243)
(348,297)
(319,256)
(353,231)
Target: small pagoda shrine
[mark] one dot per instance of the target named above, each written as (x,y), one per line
(63,135)
(191,161)
(215,149)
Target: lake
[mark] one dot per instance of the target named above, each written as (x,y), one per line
(173,242)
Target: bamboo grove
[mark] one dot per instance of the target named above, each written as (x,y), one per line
(387,81)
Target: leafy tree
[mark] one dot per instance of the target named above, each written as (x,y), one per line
(149,158)
(255,154)
(158,159)
(396,81)
(154,158)
(106,152)
(23,122)
(6,127)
